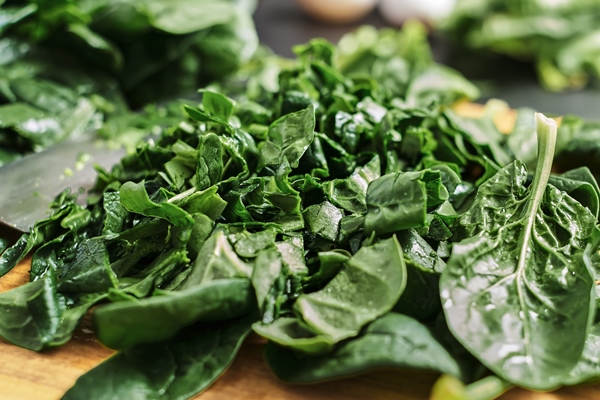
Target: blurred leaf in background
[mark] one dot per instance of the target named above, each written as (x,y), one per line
(562,38)
(66,66)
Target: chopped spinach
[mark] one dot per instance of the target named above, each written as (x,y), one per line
(336,206)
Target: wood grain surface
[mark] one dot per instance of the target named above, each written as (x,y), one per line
(26,375)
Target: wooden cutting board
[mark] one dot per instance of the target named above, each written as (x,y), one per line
(26,375)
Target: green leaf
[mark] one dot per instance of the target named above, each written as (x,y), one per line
(187,16)
(323,220)
(400,201)
(330,263)
(587,369)
(392,341)
(12,255)
(249,245)
(268,269)
(97,42)
(175,369)
(127,323)
(295,334)
(134,198)
(209,170)
(217,104)
(207,202)
(420,299)
(90,271)
(12,115)
(116,215)
(367,287)
(516,292)
(350,193)
(216,260)
(439,84)
(581,185)
(31,314)
(289,137)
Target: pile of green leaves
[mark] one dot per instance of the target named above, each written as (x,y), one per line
(560,37)
(339,208)
(66,66)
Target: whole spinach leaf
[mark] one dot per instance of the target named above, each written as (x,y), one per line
(516,292)
(367,286)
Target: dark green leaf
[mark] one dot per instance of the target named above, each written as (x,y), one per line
(134,198)
(392,341)
(31,314)
(90,271)
(289,137)
(127,323)
(516,291)
(175,369)
(400,201)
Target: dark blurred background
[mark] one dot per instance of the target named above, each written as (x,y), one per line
(281,24)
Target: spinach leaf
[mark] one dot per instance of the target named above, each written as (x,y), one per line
(420,298)
(391,341)
(401,200)
(268,269)
(175,369)
(586,370)
(72,68)
(581,185)
(289,137)
(517,275)
(250,245)
(367,286)
(127,323)
(558,38)
(350,193)
(295,334)
(582,148)
(216,260)
(439,84)
(31,314)
(323,220)
(66,216)
(90,271)
(134,198)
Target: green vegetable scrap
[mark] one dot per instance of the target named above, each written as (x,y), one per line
(67,67)
(336,206)
(560,37)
